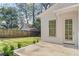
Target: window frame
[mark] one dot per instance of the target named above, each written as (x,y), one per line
(68,29)
(52,28)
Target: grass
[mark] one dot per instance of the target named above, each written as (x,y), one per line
(14,41)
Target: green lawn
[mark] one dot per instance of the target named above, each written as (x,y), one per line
(14,41)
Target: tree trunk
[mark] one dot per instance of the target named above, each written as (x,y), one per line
(26,16)
(41,8)
(33,14)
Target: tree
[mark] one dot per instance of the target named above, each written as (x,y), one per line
(9,15)
(33,14)
(23,8)
(46,5)
(31,11)
(37,24)
(20,20)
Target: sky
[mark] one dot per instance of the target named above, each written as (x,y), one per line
(8,4)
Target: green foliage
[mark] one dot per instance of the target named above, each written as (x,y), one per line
(37,24)
(9,15)
(11,50)
(37,40)
(19,44)
(34,42)
(9,42)
(8,50)
(5,51)
(12,47)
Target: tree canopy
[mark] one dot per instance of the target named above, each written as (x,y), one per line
(9,15)
(22,12)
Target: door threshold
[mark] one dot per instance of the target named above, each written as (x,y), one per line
(69,43)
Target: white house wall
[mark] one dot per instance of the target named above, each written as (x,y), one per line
(78,28)
(50,15)
(70,15)
(45,28)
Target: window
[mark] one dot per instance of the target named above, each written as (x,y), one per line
(52,28)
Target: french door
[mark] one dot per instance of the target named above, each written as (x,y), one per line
(68,31)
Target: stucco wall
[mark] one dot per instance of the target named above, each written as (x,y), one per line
(74,16)
(78,28)
(60,17)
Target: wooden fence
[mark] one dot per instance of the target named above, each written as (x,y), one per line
(15,33)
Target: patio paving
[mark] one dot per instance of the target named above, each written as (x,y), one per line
(47,49)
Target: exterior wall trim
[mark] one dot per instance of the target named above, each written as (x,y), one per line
(78,28)
(65,9)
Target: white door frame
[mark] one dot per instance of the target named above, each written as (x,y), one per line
(68,13)
(66,40)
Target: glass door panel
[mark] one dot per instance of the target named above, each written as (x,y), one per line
(68,29)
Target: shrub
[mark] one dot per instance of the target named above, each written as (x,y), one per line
(5,50)
(8,50)
(11,50)
(37,24)
(19,45)
(37,40)
(11,47)
(34,42)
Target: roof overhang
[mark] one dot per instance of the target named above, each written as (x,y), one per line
(66,9)
(62,10)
